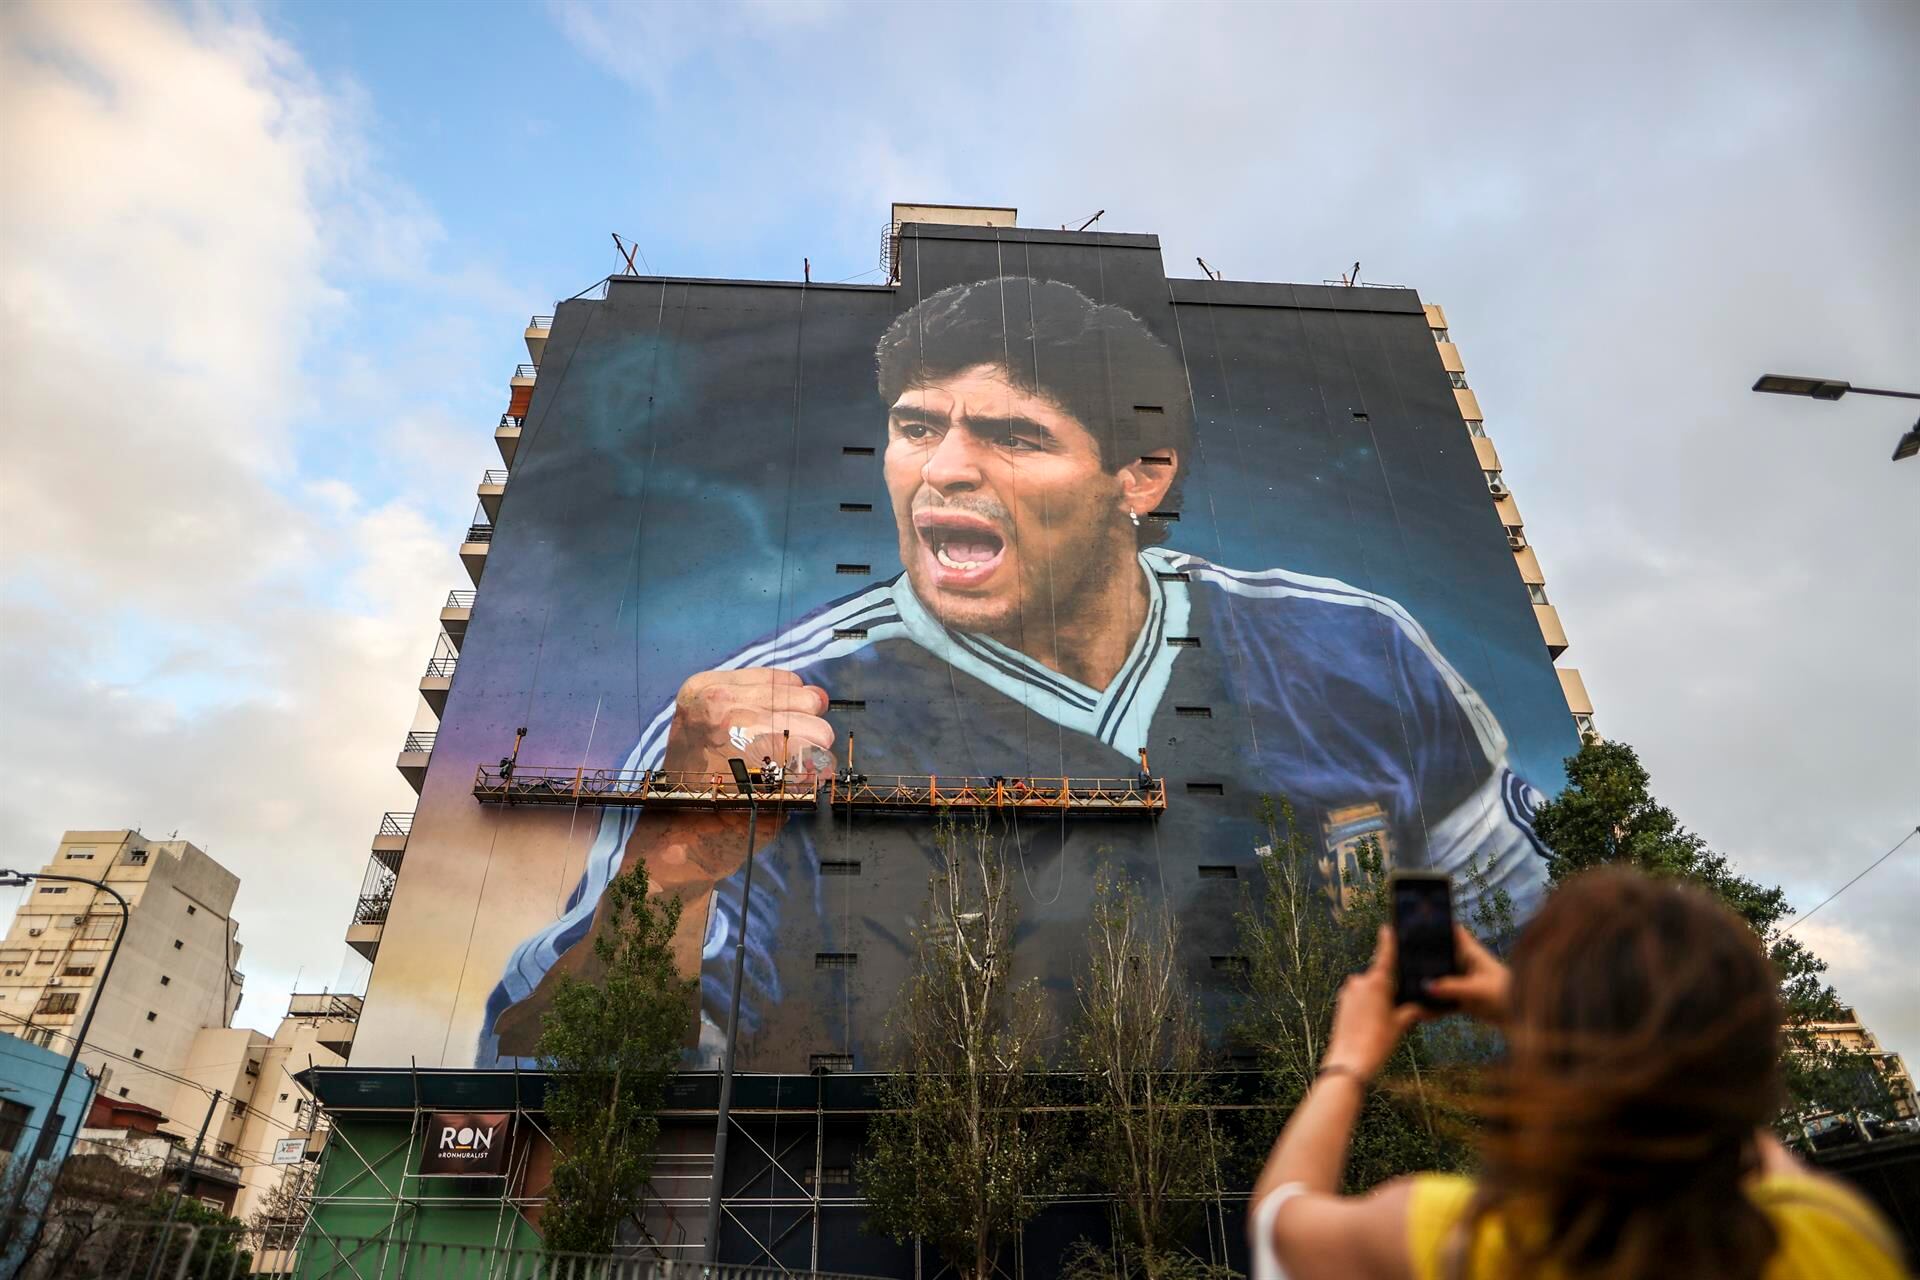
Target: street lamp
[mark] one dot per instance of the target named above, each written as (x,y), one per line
(48,1132)
(1781,384)
(744,781)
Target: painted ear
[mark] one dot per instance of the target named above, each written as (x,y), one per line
(1144,481)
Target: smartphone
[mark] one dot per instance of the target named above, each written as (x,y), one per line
(1422,934)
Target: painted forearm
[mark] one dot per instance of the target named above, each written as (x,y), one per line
(1312,1148)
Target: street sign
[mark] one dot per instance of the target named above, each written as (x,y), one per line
(289,1151)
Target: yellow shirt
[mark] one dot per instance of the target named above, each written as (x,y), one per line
(1825,1231)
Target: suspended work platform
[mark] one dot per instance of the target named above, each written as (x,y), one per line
(919,793)
(877,793)
(628,788)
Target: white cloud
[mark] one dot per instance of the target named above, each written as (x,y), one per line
(203,628)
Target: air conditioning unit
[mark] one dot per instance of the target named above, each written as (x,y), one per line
(34,933)
(1518,541)
(1497,489)
(53,982)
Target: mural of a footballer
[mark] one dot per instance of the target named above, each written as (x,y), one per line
(1031,435)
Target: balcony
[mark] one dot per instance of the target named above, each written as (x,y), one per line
(1469,404)
(493,487)
(454,616)
(537,330)
(437,682)
(390,841)
(520,390)
(1485,454)
(1550,629)
(473,550)
(1509,511)
(414,754)
(506,437)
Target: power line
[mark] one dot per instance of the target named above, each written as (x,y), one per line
(1856,880)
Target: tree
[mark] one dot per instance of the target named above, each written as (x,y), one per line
(1144,1059)
(610,1046)
(961,1153)
(1607,816)
(1309,927)
(283,1211)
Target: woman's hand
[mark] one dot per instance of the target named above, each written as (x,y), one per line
(1483,987)
(1366,1025)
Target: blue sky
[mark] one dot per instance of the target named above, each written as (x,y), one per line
(267,267)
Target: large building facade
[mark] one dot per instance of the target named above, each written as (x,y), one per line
(1032,532)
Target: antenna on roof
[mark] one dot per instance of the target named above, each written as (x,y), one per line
(1211,273)
(627,251)
(806,270)
(1090,221)
(1354,279)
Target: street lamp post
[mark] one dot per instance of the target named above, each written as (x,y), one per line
(743,780)
(1781,384)
(15,879)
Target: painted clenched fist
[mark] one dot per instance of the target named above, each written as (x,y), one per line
(745,713)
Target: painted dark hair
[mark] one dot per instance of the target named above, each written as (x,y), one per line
(1643,1055)
(1095,361)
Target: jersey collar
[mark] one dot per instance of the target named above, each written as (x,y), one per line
(1118,715)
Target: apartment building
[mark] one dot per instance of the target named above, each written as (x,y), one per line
(176,971)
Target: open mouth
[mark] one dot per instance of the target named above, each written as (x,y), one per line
(964,549)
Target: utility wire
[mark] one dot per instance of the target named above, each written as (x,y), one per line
(1856,880)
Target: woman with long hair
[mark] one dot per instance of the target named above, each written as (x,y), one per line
(1624,1132)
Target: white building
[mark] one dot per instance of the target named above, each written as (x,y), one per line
(176,972)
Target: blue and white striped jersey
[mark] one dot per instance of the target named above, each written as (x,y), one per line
(1314,690)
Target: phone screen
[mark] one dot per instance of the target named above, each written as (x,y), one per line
(1423,935)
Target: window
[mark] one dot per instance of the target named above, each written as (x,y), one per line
(1230,964)
(821,1062)
(853,570)
(1476,428)
(839,866)
(139,1054)
(836,959)
(1584,724)
(138,857)
(283,1097)
(1183,642)
(1218,872)
(831,1176)
(1440,335)
(1164,517)
(1536,593)
(13,1124)
(80,855)
(1151,408)
(46,957)
(1194,713)
(152,1016)
(99,927)
(1206,789)
(1171,575)
(77,971)
(1156,460)
(857,450)
(1493,478)
(177,944)
(53,888)
(1360,417)
(225,1151)
(849,633)
(165,981)
(856,506)
(239,1109)
(846,704)
(123,1091)
(1459,380)
(192,910)
(59,1002)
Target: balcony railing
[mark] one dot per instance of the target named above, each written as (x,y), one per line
(396,822)
(459,600)
(508,420)
(421,741)
(372,908)
(528,371)
(479,533)
(540,322)
(497,476)
(441,668)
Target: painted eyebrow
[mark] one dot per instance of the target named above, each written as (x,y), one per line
(1014,424)
(914,414)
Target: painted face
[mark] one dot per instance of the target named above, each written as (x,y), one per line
(1003,508)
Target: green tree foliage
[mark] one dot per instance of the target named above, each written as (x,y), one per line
(611,1046)
(1143,1055)
(962,1153)
(1311,924)
(1607,815)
